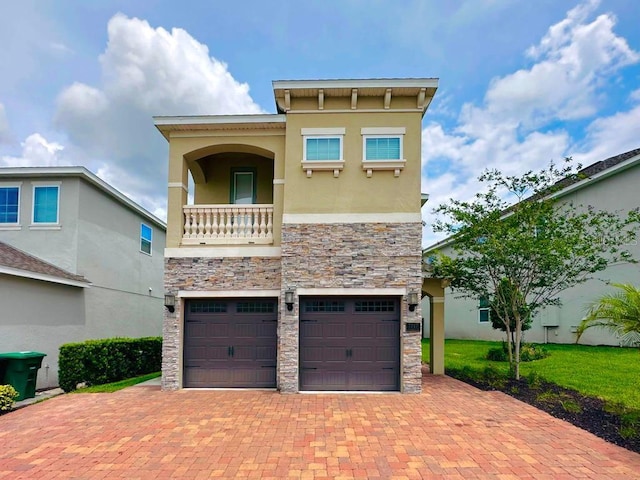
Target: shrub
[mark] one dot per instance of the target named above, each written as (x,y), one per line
(8,394)
(95,362)
(528,353)
(498,354)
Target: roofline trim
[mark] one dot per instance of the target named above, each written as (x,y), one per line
(168,121)
(357,83)
(16,272)
(92,178)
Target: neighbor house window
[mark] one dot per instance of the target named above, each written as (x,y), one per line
(484,310)
(146,237)
(322,149)
(383,149)
(45,203)
(9,205)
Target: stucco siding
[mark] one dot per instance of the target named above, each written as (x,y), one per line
(40,316)
(614,193)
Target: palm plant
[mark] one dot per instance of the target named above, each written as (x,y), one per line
(617,312)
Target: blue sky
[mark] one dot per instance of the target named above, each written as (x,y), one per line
(521,82)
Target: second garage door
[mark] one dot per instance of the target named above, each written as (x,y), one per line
(230,343)
(350,344)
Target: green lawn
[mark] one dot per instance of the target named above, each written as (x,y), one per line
(610,373)
(115,386)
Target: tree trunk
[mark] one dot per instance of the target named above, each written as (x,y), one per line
(518,336)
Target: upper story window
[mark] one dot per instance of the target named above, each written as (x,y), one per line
(322,149)
(383,149)
(45,204)
(9,205)
(146,238)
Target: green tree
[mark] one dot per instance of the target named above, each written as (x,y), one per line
(617,312)
(502,308)
(520,230)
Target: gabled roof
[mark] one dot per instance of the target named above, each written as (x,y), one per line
(21,264)
(82,172)
(587,176)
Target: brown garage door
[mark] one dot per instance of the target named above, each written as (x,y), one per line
(350,344)
(230,343)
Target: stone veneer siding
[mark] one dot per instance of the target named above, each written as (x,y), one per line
(207,274)
(364,255)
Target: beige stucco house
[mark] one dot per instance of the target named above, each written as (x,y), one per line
(298,265)
(610,184)
(78,260)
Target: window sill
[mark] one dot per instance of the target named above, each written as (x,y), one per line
(10,227)
(335,165)
(395,165)
(45,227)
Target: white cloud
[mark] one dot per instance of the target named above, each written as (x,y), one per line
(611,135)
(511,130)
(145,71)
(36,152)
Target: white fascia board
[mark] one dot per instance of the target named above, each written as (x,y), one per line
(82,172)
(43,277)
(357,83)
(631,162)
(161,121)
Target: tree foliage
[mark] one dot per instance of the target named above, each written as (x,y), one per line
(522,231)
(617,312)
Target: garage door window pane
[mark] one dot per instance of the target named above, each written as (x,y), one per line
(256,307)
(324,306)
(376,306)
(207,307)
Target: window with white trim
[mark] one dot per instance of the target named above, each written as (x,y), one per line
(484,310)
(379,147)
(322,149)
(383,149)
(45,204)
(146,238)
(9,205)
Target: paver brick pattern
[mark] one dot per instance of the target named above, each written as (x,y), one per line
(451,430)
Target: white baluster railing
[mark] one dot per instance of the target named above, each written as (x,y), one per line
(227,224)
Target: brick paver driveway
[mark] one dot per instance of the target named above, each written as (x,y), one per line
(451,431)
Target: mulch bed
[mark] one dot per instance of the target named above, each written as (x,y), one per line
(588,413)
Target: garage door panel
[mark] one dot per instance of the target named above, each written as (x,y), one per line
(266,353)
(386,354)
(354,347)
(230,343)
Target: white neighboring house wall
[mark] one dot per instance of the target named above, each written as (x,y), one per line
(98,237)
(612,189)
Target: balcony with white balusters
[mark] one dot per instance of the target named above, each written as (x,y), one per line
(228,224)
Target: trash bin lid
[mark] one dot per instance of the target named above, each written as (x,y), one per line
(24,354)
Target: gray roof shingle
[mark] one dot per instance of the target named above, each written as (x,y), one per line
(11,257)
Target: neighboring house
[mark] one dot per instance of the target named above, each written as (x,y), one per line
(294,266)
(612,185)
(78,260)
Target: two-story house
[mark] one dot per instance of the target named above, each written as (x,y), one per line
(78,260)
(298,265)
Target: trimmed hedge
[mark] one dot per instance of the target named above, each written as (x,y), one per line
(96,362)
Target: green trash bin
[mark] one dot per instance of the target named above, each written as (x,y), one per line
(20,370)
